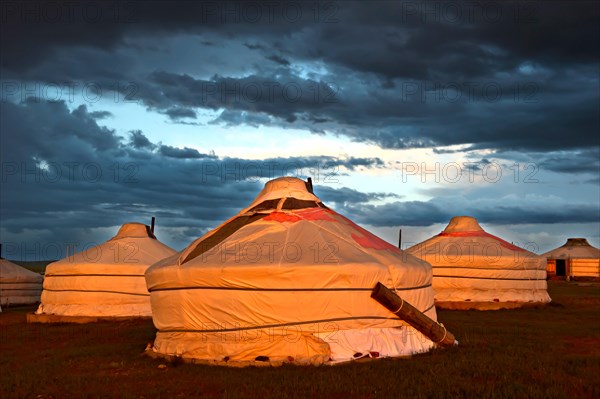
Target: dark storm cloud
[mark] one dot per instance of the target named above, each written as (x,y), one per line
(570,162)
(279,60)
(236,118)
(179,113)
(139,141)
(90,178)
(578,162)
(425,213)
(344,196)
(333,163)
(254,46)
(43,27)
(100,114)
(283,96)
(519,78)
(424,38)
(182,153)
(438,40)
(390,118)
(53,123)
(402,74)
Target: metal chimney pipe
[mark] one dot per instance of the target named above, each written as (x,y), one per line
(310,185)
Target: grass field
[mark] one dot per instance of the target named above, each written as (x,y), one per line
(552,352)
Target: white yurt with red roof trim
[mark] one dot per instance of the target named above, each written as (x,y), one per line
(18,286)
(473,269)
(286,280)
(106,280)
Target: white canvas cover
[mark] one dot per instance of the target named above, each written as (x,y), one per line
(106,280)
(18,286)
(584,259)
(287,279)
(471,265)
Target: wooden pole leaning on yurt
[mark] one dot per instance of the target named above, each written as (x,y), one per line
(405,311)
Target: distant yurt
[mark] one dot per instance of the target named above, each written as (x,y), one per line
(576,258)
(473,269)
(286,280)
(18,286)
(106,280)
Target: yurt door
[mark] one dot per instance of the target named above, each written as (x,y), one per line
(561,268)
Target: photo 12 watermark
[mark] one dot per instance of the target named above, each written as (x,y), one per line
(86,92)
(427,92)
(122,251)
(67,12)
(471,250)
(71,172)
(467,12)
(471,172)
(254,171)
(270,252)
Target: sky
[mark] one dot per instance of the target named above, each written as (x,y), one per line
(403,113)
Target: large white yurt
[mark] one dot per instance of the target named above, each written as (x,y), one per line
(576,258)
(106,280)
(286,280)
(473,269)
(18,286)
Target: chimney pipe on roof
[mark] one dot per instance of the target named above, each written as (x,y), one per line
(400,239)
(152,225)
(309,185)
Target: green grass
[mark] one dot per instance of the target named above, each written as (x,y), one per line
(553,352)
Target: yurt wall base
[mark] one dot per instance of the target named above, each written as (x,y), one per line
(277,347)
(468,305)
(52,318)
(175,359)
(20,301)
(100,309)
(228,363)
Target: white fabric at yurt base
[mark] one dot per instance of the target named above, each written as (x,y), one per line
(580,259)
(18,286)
(473,269)
(105,280)
(286,280)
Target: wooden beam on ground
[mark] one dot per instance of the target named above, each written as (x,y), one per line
(413,316)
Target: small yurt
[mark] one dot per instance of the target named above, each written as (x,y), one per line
(286,280)
(18,286)
(576,258)
(473,269)
(106,280)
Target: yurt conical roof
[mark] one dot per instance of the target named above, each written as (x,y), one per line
(478,269)
(105,280)
(574,248)
(18,286)
(294,276)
